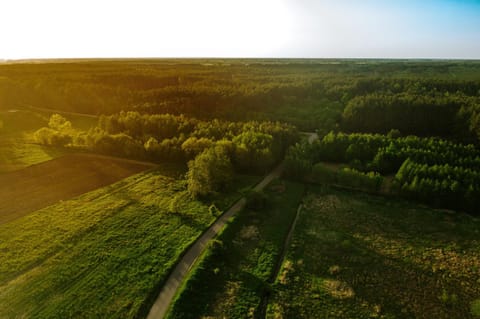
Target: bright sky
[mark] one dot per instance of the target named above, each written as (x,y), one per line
(240,28)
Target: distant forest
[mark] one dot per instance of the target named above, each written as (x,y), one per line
(424,98)
(404,128)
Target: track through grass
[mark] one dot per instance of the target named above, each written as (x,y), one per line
(104,253)
(232,278)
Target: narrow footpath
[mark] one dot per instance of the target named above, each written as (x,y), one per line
(179,273)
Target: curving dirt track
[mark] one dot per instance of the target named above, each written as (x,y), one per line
(180,272)
(44,184)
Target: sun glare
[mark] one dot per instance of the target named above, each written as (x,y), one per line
(145,28)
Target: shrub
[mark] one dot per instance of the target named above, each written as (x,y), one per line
(48,136)
(349,177)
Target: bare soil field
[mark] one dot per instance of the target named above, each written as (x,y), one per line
(41,185)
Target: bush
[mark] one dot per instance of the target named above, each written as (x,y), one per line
(370,181)
(48,136)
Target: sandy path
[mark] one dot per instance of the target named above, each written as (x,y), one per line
(179,273)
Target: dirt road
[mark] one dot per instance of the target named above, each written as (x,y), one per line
(43,109)
(174,281)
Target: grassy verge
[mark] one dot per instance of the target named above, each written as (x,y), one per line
(359,256)
(101,254)
(231,278)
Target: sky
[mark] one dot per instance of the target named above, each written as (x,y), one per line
(240,28)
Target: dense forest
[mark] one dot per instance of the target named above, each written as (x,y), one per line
(422,98)
(304,188)
(418,121)
(436,171)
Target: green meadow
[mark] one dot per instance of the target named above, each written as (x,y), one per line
(105,253)
(359,256)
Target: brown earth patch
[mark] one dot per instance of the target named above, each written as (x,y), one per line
(44,184)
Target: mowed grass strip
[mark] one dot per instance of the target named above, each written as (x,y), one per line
(232,277)
(103,254)
(41,185)
(358,256)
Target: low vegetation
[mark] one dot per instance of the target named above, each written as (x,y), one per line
(233,277)
(105,253)
(359,256)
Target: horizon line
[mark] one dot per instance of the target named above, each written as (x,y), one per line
(20,60)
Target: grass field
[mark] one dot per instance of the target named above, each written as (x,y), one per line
(17,147)
(41,185)
(105,253)
(233,276)
(358,256)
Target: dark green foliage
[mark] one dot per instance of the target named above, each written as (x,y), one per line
(429,98)
(251,146)
(352,178)
(412,114)
(440,185)
(346,177)
(298,161)
(435,171)
(385,154)
(209,172)
(322,174)
(253,150)
(257,200)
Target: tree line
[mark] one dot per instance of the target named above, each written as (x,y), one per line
(372,96)
(451,115)
(213,149)
(433,170)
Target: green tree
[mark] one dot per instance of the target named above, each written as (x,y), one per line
(194,146)
(59,123)
(209,172)
(253,150)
